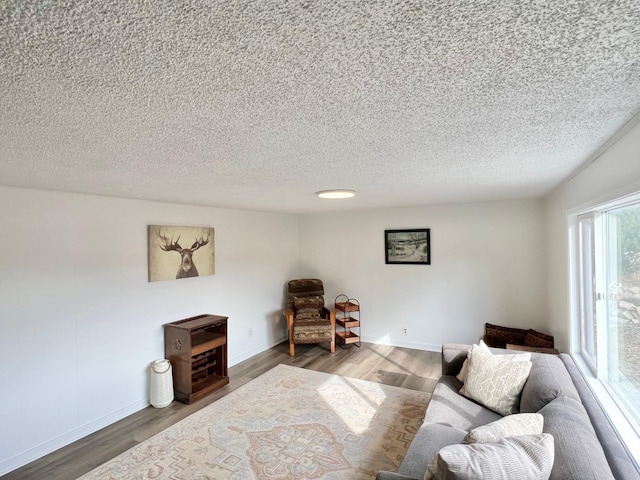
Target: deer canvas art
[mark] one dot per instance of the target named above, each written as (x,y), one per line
(172,252)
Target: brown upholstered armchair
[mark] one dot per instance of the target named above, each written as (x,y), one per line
(307,318)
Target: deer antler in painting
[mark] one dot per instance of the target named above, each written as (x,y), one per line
(198,243)
(187,267)
(168,245)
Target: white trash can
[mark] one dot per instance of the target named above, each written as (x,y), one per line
(161,383)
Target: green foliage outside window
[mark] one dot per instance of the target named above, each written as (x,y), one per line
(628,235)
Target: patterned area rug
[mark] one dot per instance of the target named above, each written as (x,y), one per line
(289,423)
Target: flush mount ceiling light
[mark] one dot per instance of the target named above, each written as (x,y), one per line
(336,193)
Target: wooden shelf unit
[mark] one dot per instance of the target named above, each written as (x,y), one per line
(197,350)
(348,319)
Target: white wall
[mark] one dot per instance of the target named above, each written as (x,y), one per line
(615,173)
(80,323)
(488,265)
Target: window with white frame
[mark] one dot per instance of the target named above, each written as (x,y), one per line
(608,287)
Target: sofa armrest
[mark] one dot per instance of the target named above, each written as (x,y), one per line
(453,356)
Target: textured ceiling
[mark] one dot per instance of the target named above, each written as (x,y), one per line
(259,104)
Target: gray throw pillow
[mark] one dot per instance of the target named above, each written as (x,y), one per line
(527,457)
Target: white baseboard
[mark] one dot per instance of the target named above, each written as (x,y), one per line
(253,351)
(63,440)
(395,343)
(80,432)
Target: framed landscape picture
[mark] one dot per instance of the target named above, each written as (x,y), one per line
(409,247)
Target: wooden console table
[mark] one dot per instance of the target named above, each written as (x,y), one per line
(197,350)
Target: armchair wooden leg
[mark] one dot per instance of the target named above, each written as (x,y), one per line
(332,319)
(289,314)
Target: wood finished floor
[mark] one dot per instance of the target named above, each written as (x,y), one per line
(402,367)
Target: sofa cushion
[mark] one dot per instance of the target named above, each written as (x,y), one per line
(453,356)
(428,441)
(579,455)
(622,466)
(548,380)
(523,457)
(495,381)
(511,426)
(450,408)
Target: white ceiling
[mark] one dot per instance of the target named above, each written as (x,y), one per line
(259,104)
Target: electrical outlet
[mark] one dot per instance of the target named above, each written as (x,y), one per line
(404,330)
(251,332)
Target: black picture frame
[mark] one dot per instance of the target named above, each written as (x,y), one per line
(407,247)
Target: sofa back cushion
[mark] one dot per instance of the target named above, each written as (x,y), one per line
(448,407)
(620,460)
(579,454)
(548,380)
(429,439)
(453,357)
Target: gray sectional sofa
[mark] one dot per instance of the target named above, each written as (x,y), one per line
(586,445)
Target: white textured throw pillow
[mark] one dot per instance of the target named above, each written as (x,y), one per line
(527,457)
(511,426)
(464,371)
(495,381)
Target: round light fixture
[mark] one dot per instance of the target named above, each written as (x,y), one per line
(336,193)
